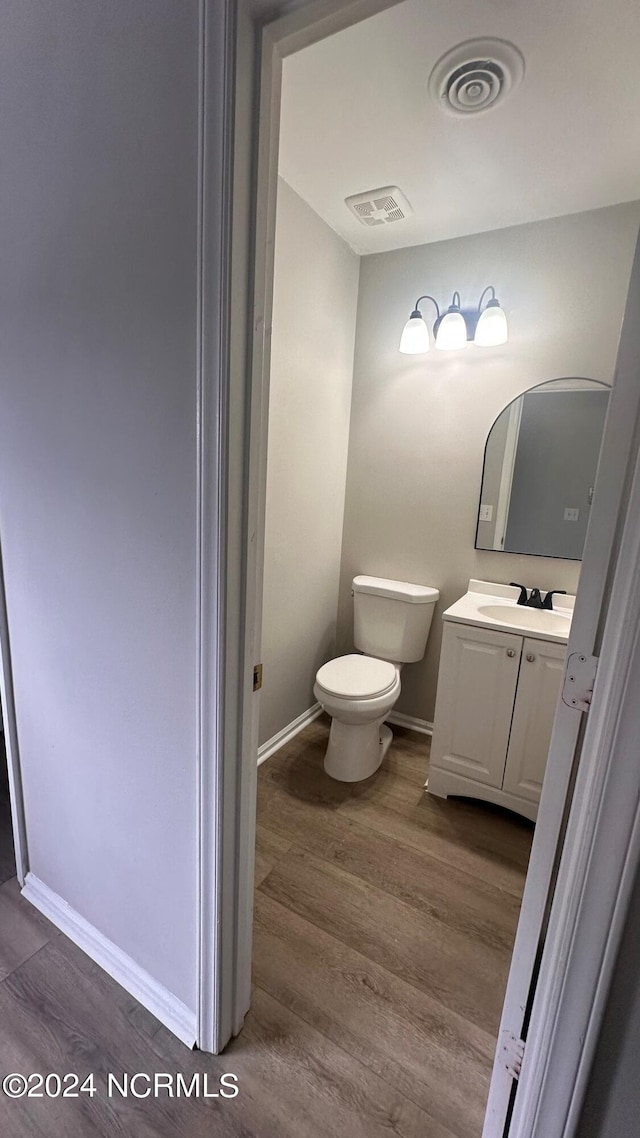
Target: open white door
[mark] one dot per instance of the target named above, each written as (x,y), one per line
(599,613)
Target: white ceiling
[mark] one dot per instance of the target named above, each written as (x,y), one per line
(356,115)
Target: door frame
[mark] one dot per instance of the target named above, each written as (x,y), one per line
(560,977)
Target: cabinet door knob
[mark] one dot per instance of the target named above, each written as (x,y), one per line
(530,657)
(511,651)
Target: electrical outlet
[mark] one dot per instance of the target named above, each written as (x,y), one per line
(486,513)
(571,514)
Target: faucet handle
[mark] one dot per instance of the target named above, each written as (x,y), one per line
(522,599)
(548,600)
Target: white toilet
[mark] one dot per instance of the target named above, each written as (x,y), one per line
(391,625)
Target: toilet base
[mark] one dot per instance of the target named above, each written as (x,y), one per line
(355,751)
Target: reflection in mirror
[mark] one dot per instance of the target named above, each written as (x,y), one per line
(540,466)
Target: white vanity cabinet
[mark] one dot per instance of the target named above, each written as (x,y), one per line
(497,695)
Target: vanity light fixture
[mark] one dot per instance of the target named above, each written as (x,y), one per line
(451,332)
(491,328)
(415,334)
(454,328)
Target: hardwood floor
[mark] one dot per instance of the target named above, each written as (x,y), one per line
(383,927)
(387,918)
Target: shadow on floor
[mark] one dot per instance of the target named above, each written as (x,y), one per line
(7,856)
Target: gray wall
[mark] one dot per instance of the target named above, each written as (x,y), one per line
(419,424)
(314,311)
(97,457)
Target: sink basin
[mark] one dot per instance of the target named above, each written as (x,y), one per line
(491,604)
(542,620)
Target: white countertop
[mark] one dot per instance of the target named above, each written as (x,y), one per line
(478,606)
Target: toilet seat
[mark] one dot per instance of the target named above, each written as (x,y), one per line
(357,677)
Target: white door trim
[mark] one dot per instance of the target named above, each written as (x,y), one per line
(218,835)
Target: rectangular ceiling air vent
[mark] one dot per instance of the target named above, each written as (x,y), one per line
(379,207)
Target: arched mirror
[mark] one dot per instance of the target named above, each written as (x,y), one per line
(540,465)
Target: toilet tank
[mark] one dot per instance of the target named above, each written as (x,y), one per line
(392,618)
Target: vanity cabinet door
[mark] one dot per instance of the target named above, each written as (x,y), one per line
(538,689)
(476,692)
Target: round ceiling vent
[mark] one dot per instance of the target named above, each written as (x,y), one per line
(475,76)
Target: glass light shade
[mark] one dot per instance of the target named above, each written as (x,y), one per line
(415,337)
(452,332)
(491,328)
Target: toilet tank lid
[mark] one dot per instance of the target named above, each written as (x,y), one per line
(397,590)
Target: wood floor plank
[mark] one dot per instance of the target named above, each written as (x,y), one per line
(269,849)
(293,1082)
(442,962)
(409,754)
(461,900)
(403,1035)
(475,837)
(60,1012)
(55,1018)
(298,770)
(23,930)
(315,1089)
(384,922)
(467,837)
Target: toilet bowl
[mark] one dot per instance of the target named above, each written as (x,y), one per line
(391,626)
(358,693)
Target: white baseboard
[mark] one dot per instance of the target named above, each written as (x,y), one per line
(158,1000)
(289,732)
(410,721)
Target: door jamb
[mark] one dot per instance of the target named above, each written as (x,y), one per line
(218,834)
